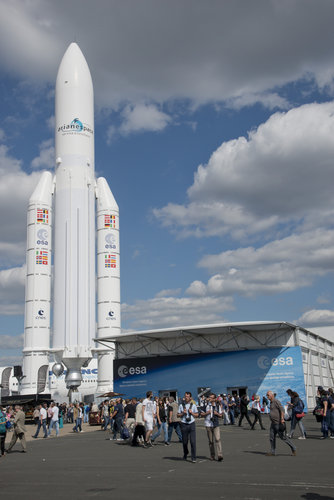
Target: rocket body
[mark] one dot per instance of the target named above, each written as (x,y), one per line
(74,255)
(75,191)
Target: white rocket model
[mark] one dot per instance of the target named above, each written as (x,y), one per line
(74,190)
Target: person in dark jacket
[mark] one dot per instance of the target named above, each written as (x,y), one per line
(297,407)
(244,410)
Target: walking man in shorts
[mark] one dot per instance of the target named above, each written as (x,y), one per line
(149,413)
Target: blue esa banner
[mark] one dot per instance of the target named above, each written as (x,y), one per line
(258,371)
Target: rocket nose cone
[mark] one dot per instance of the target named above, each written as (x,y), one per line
(73,69)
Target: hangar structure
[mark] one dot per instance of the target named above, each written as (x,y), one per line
(229,357)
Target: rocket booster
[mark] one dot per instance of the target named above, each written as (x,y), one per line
(75,192)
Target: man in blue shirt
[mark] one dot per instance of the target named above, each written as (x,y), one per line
(118,417)
(188,412)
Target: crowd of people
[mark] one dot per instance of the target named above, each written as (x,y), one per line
(141,422)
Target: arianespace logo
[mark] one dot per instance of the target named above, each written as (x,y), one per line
(125,371)
(76,127)
(264,362)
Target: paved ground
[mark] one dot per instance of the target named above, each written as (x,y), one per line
(88,465)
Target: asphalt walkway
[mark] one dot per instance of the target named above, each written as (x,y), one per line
(89,465)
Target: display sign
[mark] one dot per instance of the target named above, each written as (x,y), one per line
(259,370)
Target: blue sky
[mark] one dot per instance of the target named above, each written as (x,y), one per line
(214,127)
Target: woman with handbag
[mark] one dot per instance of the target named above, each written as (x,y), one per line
(297,413)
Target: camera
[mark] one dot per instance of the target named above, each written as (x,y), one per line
(188,418)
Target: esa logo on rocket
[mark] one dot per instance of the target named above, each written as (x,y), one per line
(110,240)
(42,236)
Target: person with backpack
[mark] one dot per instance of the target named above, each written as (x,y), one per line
(212,412)
(277,427)
(297,408)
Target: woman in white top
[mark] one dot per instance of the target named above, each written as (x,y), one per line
(256,410)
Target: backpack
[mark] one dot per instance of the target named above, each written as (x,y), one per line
(299,408)
(125,434)
(3,421)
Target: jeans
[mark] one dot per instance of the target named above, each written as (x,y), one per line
(54,423)
(77,426)
(161,426)
(258,418)
(86,418)
(294,422)
(106,422)
(176,427)
(39,425)
(274,431)
(242,416)
(189,433)
(331,422)
(118,424)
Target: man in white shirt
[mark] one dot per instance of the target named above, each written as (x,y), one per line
(188,412)
(42,421)
(149,413)
(54,422)
(213,411)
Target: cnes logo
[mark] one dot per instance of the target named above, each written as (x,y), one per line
(124,371)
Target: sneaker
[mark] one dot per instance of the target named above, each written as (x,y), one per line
(302,437)
(220,459)
(166,443)
(331,437)
(193,460)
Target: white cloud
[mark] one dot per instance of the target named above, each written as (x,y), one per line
(175,49)
(46,158)
(317,317)
(171,292)
(143,118)
(282,172)
(277,267)
(12,282)
(162,311)
(16,187)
